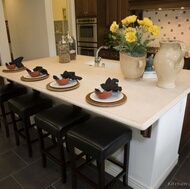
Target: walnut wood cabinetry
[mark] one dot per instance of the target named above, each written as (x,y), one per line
(86,8)
(116,10)
(155,4)
(109,54)
(185,135)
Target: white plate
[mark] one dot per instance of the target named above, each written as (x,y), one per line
(71,83)
(29,77)
(115,96)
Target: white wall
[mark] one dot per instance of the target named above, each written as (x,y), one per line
(31,28)
(71,17)
(58,6)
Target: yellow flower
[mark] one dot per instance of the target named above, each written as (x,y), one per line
(133,37)
(129,29)
(155,30)
(114,27)
(145,22)
(130,37)
(129,19)
(124,21)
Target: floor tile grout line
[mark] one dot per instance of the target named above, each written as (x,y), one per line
(19,157)
(24,160)
(5,177)
(179,168)
(17,181)
(53,183)
(27,165)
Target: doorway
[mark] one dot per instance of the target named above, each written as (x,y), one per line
(31,32)
(60,18)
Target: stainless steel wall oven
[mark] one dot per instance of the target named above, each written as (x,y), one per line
(87,30)
(88,49)
(87,41)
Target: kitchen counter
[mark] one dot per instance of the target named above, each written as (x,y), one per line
(142,95)
(151,159)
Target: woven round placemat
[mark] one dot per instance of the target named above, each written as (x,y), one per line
(34,78)
(62,89)
(106,104)
(12,71)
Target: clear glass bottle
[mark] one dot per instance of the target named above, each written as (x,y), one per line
(63,51)
(72,45)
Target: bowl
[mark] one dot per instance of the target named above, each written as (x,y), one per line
(104,94)
(11,66)
(63,81)
(34,73)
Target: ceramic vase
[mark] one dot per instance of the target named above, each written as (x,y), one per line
(132,67)
(168,62)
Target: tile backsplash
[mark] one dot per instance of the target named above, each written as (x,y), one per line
(174,24)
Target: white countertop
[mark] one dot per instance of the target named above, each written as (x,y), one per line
(145,104)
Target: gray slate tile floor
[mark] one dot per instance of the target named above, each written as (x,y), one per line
(17,171)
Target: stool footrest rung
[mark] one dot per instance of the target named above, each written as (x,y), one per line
(92,183)
(86,179)
(115,179)
(52,157)
(115,162)
(86,163)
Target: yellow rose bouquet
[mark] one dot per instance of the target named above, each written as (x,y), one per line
(134,35)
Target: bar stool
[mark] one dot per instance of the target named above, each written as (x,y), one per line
(57,121)
(99,138)
(26,106)
(7,92)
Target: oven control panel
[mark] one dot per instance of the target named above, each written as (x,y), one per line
(86,20)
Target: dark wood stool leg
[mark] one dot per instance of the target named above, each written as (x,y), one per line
(126,164)
(53,139)
(42,147)
(101,174)
(62,159)
(5,119)
(27,135)
(73,165)
(15,128)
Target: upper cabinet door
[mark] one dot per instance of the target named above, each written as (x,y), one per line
(111,12)
(116,10)
(157,4)
(123,9)
(86,8)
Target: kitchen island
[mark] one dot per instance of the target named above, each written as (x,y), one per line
(148,109)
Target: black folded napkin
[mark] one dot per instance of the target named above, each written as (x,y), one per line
(70,75)
(110,85)
(17,61)
(40,69)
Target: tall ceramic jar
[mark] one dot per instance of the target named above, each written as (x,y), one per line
(132,67)
(168,62)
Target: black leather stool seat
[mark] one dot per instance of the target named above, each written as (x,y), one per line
(99,138)
(11,90)
(57,121)
(7,92)
(29,104)
(25,106)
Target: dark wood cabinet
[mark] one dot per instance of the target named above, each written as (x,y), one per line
(109,54)
(86,8)
(116,10)
(185,135)
(156,4)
